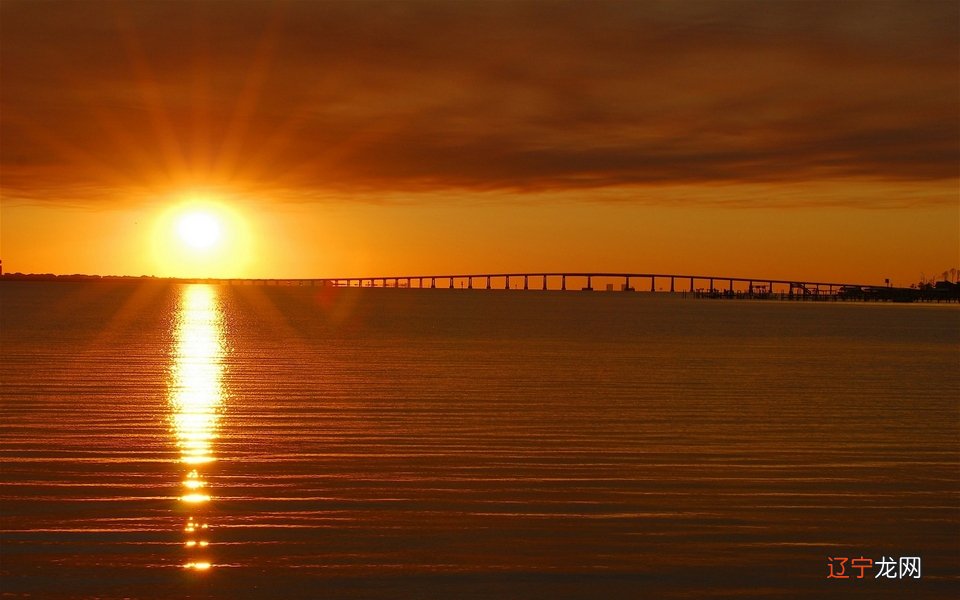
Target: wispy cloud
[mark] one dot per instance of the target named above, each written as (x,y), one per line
(304,100)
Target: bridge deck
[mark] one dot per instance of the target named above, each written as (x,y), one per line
(559,279)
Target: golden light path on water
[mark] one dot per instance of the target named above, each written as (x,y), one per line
(196,400)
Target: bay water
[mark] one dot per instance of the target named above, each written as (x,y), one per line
(162,440)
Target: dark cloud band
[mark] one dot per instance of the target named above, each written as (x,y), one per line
(520,96)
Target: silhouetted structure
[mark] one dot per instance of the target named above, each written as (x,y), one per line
(699,286)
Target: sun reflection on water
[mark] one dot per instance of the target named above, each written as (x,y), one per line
(196,402)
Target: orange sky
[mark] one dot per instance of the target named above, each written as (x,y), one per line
(785,140)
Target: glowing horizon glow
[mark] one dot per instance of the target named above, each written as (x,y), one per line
(360,174)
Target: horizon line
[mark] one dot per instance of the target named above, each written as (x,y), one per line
(450,277)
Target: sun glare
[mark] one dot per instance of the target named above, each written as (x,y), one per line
(202,237)
(199,230)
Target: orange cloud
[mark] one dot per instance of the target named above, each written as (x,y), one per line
(297,101)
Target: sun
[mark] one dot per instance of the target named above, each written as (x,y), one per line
(199,230)
(203,237)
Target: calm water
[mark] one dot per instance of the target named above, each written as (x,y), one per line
(229,442)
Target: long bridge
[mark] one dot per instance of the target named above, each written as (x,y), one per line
(711,286)
(581,280)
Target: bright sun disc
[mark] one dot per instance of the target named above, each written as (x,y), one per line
(202,237)
(199,230)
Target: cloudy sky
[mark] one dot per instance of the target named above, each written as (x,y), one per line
(781,139)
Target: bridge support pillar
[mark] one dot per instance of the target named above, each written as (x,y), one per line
(488,282)
(691,285)
(711,285)
(672,289)
(563,282)
(731,286)
(653,284)
(544,282)
(526,285)
(433,282)
(506,282)
(451,283)
(589,287)
(469,283)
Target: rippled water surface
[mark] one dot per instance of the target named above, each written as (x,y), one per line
(294,442)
